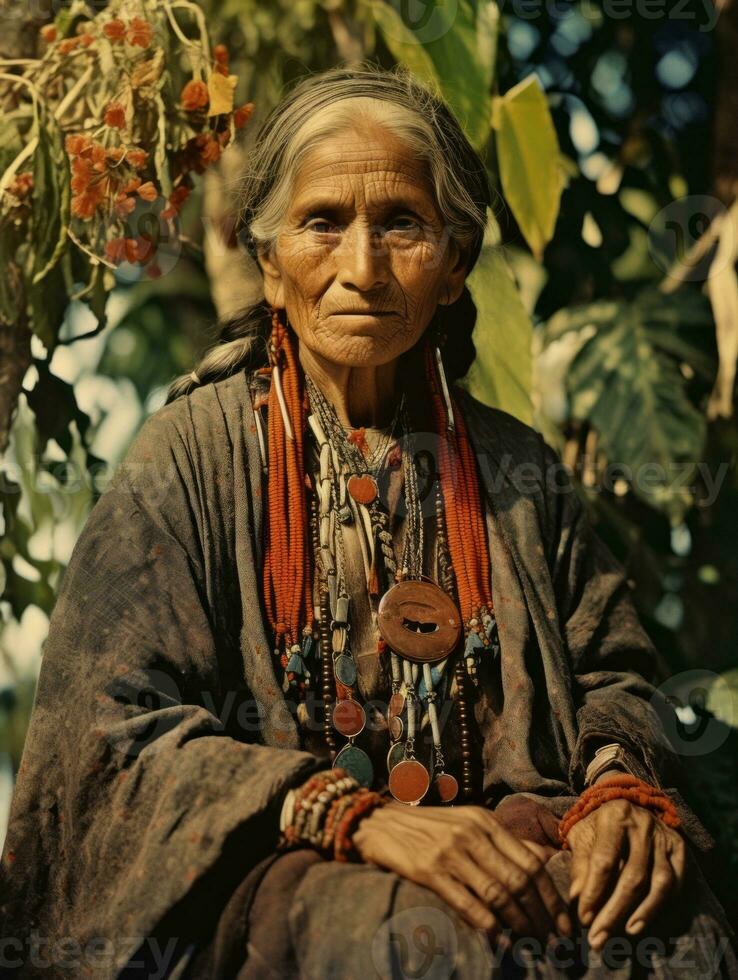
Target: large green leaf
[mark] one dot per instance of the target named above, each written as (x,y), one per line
(501,373)
(627,379)
(49,225)
(528,160)
(452,50)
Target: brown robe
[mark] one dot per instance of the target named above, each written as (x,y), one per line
(161,745)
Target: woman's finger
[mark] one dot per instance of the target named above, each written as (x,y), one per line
(535,888)
(631,883)
(480,871)
(677,851)
(662,883)
(603,858)
(580,854)
(463,901)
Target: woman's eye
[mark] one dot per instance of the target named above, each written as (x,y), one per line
(404,223)
(323,227)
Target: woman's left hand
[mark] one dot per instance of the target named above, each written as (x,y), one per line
(625,863)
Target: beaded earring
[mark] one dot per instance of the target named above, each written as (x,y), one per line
(287,580)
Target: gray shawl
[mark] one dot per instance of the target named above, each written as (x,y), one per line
(161,744)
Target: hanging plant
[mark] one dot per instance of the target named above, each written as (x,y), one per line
(99,146)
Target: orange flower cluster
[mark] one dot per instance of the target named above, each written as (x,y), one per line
(194,96)
(21,185)
(241,116)
(95,177)
(137,32)
(176,201)
(140,249)
(72,43)
(222,58)
(115,116)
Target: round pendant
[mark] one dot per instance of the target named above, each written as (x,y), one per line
(396,727)
(348,717)
(395,755)
(409,781)
(356,763)
(362,488)
(445,787)
(419,621)
(345,670)
(396,705)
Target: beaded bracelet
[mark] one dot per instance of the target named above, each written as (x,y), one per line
(364,802)
(304,813)
(619,787)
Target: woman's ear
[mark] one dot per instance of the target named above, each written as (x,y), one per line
(456,273)
(273,291)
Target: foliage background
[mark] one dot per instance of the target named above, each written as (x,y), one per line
(608,317)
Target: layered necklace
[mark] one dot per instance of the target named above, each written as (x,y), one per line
(428,627)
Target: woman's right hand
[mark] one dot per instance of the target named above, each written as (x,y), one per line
(465,855)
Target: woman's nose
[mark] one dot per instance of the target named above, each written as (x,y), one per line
(362,258)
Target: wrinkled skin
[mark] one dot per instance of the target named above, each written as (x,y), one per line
(626,862)
(363,233)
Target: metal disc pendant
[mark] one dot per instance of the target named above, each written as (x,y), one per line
(396,727)
(445,787)
(356,763)
(349,717)
(345,670)
(396,705)
(419,621)
(409,781)
(395,755)
(362,488)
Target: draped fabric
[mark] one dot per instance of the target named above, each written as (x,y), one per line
(161,744)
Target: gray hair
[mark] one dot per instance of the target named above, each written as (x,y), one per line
(317,108)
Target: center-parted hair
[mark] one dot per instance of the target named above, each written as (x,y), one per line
(318,108)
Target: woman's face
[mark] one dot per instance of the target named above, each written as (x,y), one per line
(363,257)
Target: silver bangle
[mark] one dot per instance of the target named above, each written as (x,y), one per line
(610,756)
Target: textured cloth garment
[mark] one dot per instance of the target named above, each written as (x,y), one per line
(406,930)
(290,921)
(161,745)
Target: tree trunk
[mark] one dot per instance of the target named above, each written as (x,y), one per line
(15,359)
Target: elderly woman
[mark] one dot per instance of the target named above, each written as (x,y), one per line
(340,682)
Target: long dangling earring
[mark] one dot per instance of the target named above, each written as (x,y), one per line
(277,332)
(439,340)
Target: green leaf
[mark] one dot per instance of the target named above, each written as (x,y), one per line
(51,208)
(500,375)
(11,236)
(626,379)
(722,698)
(453,51)
(528,159)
